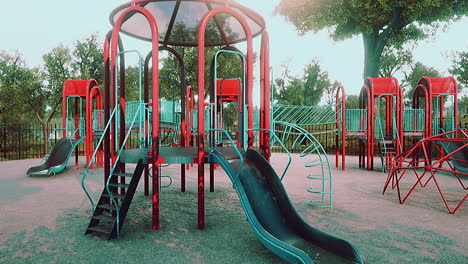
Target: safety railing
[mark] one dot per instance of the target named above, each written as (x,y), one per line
(356,120)
(241,157)
(305,115)
(71,128)
(413,120)
(98,120)
(88,167)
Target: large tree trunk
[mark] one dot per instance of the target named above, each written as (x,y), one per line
(372,54)
(375,42)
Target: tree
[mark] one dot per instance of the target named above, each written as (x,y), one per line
(88,59)
(18,85)
(330,92)
(306,90)
(411,79)
(230,65)
(393,61)
(382,23)
(352,102)
(460,69)
(57,69)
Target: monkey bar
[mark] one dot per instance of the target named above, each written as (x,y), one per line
(450,156)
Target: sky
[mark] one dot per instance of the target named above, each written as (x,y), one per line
(34,27)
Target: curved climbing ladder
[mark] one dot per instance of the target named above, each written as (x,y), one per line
(319,168)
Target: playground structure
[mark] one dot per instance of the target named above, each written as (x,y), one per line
(81,122)
(202,135)
(382,120)
(87,122)
(431,156)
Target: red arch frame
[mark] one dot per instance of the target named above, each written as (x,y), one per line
(89,90)
(155,95)
(201,95)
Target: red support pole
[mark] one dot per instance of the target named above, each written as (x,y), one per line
(201,122)
(201,95)
(107,102)
(265,95)
(155,107)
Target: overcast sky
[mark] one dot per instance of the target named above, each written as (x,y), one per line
(34,27)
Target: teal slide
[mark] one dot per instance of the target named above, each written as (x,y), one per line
(58,158)
(460,158)
(273,217)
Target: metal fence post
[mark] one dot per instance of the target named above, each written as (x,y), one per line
(4,140)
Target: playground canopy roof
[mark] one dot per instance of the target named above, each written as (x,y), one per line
(178,22)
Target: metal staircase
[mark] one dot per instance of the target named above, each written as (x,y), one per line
(111,209)
(387,153)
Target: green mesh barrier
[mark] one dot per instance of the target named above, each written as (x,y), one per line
(413,120)
(356,120)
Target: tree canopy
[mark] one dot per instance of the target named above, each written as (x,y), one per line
(28,94)
(305,90)
(412,77)
(88,57)
(381,23)
(19,86)
(229,65)
(394,60)
(460,69)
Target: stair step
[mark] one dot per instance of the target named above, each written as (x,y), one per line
(104,229)
(105,218)
(386,141)
(122,174)
(107,206)
(120,185)
(107,222)
(116,196)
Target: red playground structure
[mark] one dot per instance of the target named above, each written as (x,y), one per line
(381,123)
(74,93)
(82,121)
(197,123)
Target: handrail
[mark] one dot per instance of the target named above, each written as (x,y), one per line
(88,167)
(74,133)
(141,128)
(305,115)
(320,150)
(114,201)
(241,157)
(53,131)
(282,145)
(396,132)
(243,96)
(61,128)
